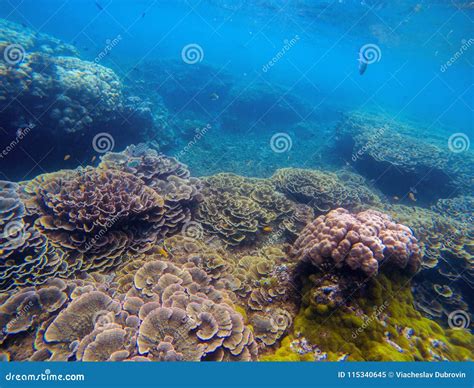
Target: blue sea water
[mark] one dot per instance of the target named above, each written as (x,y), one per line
(378,93)
(410,79)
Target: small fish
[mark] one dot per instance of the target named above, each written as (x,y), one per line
(412,197)
(418,7)
(93,159)
(82,188)
(99,6)
(395,198)
(362,66)
(267,229)
(214,96)
(143,15)
(163,252)
(67,157)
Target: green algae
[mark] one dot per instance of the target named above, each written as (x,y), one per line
(380,325)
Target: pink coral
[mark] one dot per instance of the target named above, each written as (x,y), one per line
(360,241)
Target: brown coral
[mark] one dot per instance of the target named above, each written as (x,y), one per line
(168,177)
(26,257)
(359,241)
(238,209)
(322,190)
(100,214)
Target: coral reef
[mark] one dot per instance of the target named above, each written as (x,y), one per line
(170,312)
(459,208)
(168,177)
(26,257)
(77,93)
(322,190)
(387,152)
(362,241)
(29,40)
(447,257)
(377,322)
(100,214)
(240,210)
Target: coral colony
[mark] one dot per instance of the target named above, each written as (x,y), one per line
(134,256)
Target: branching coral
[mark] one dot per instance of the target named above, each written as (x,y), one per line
(360,241)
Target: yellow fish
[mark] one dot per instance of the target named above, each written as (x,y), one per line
(267,229)
(162,251)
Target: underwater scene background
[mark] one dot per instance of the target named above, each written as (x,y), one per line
(236,180)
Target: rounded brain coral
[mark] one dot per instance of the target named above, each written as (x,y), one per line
(360,241)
